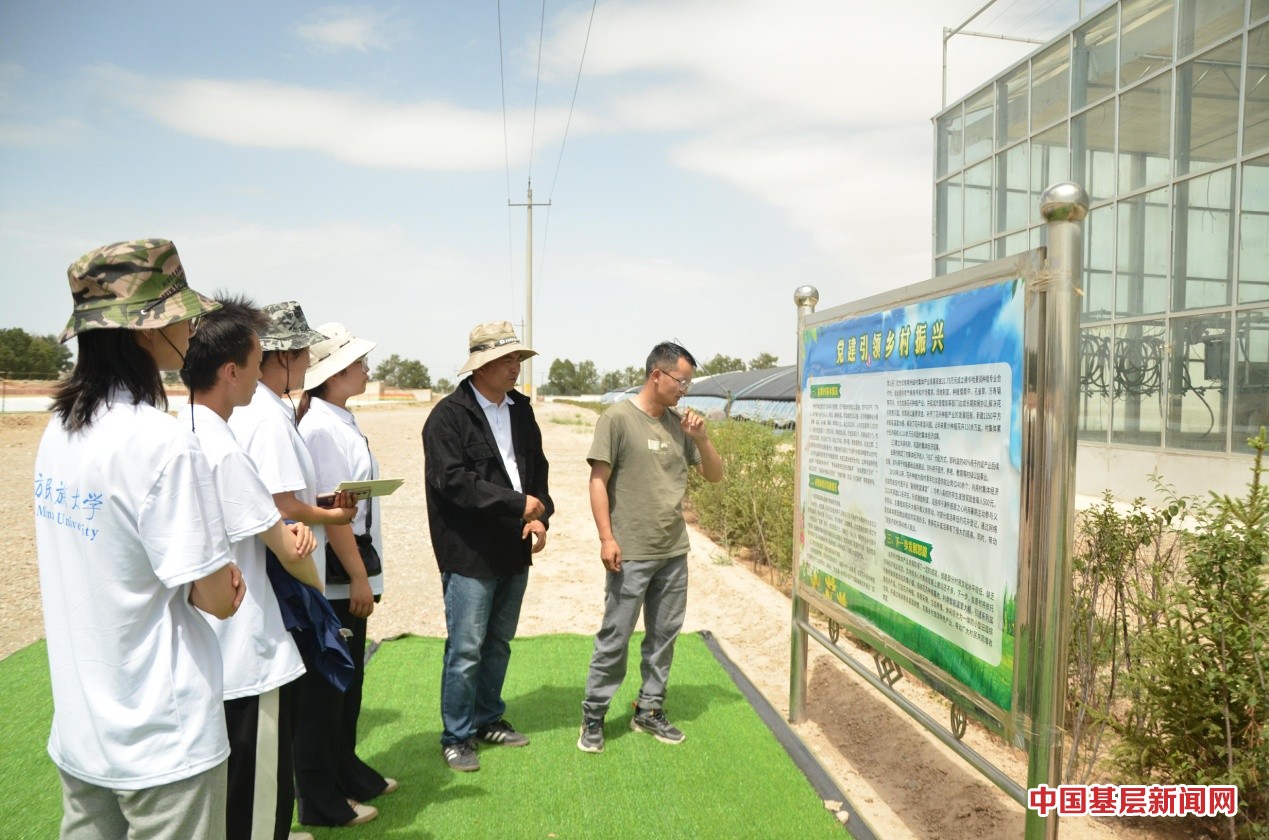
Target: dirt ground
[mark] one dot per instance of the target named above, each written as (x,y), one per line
(901,779)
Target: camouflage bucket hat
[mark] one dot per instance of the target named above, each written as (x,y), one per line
(288,328)
(137,285)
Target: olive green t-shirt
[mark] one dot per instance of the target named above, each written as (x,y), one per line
(649,459)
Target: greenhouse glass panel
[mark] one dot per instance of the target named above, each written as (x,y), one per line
(951,208)
(1253,254)
(1256,103)
(1142,254)
(1137,383)
(1093,59)
(1145,134)
(1099,265)
(1050,163)
(1013,202)
(951,141)
(1093,151)
(980,123)
(1095,384)
(978,255)
(1198,363)
(1207,108)
(1145,47)
(978,203)
(1203,241)
(1013,96)
(1251,376)
(1204,22)
(1050,85)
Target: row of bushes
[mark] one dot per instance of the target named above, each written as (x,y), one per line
(752,509)
(1169,653)
(1169,659)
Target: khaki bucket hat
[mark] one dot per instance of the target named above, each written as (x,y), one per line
(337,351)
(490,341)
(134,285)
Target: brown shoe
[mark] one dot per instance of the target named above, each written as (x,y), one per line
(391,787)
(365,813)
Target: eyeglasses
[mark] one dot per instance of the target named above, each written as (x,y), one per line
(684,384)
(194,323)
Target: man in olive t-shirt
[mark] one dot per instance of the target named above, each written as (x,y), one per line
(639,461)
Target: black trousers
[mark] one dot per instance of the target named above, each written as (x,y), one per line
(250,742)
(327,769)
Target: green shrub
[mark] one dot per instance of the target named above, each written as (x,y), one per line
(1121,561)
(752,507)
(1199,685)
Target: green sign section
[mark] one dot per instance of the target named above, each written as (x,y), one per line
(826,392)
(910,546)
(828,485)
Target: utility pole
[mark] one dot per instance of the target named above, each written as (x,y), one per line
(527,371)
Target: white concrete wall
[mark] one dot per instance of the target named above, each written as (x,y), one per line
(1126,472)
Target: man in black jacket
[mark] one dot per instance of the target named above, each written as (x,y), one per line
(487,510)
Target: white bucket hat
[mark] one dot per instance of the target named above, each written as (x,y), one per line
(490,341)
(337,351)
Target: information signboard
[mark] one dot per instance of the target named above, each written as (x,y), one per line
(911,471)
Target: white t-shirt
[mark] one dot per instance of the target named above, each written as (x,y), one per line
(126,518)
(259,654)
(266,430)
(341,453)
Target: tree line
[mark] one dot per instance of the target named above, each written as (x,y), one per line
(569,378)
(26,356)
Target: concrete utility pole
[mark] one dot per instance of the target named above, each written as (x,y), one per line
(526,374)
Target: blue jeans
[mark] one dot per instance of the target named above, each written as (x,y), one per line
(481,615)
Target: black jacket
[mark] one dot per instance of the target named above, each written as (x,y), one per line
(473,513)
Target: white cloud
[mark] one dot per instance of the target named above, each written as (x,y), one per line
(819,108)
(351,127)
(347,28)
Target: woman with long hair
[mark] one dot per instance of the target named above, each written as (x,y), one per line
(130,540)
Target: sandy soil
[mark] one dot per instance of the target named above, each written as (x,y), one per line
(902,781)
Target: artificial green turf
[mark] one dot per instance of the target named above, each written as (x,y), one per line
(730,778)
(30,791)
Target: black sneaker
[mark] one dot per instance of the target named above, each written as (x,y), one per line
(653,722)
(461,756)
(591,738)
(502,733)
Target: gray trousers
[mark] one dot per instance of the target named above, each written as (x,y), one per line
(188,809)
(659,588)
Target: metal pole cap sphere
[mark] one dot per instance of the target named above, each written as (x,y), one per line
(1065,201)
(806,296)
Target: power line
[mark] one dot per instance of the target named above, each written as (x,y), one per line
(551,192)
(506,157)
(537,84)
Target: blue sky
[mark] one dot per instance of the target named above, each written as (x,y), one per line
(721,153)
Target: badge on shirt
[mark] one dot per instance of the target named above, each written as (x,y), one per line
(658,445)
